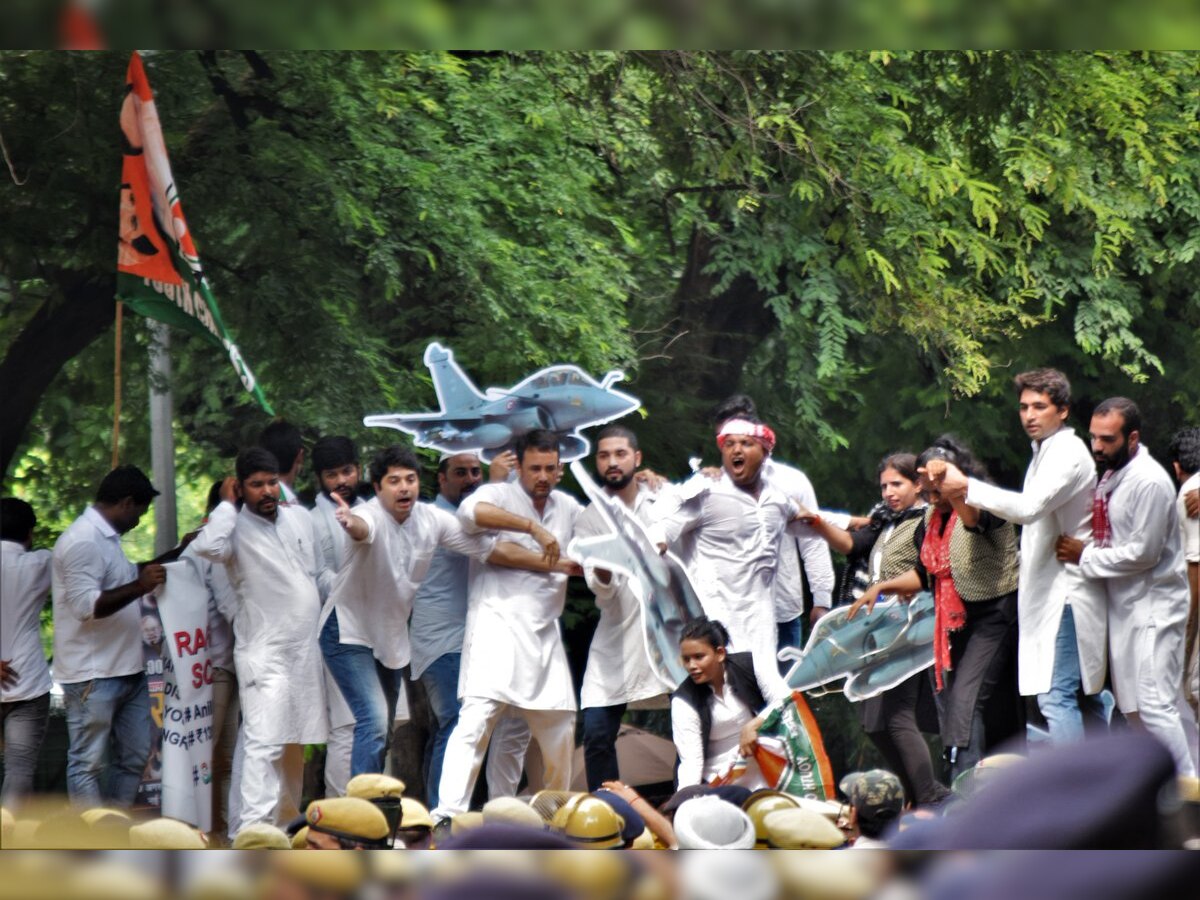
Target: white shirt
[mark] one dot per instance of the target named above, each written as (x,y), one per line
(374,590)
(733,556)
(804,545)
(1142,570)
(272,567)
(729,716)
(88,560)
(618,667)
(1189,529)
(24,586)
(331,540)
(439,615)
(1056,499)
(512,649)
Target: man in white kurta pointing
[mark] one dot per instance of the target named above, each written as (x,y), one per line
(270,556)
(513,660)
(1137,554)
(1061,614)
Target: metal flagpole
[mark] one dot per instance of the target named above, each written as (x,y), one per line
(162,438)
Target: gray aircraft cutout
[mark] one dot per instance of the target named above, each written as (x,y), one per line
(561,398)
(659,581)
(872,652)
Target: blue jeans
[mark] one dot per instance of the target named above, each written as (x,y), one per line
(23,726)
(789,636)
(371,690)
(1061,705)
(101,712)
(600,727)
(440,681)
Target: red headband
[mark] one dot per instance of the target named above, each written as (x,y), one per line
(761,433)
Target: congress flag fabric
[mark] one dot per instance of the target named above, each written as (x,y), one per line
(158,269)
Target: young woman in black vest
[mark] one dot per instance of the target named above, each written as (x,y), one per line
(716,712)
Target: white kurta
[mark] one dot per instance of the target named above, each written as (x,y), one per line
(806,546)
(331,540)
(272,567)
(512,648)
(1143,573)
(24,588)
(1056,499)
(618,667)
(733,557)
(373,592)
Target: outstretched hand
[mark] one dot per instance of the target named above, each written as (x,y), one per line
(341,510)
(868,599)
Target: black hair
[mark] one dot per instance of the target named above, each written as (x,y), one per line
(903,462)
(736,406)
(284,441)
(951,449)
(542,439)
(214,497)
(874,823)
(1129,411)
(125,481)
(618,431)
(332,452)
(255,459)
(705,629)
(17,520)
(396,456)
(1051,382)
(1185,450)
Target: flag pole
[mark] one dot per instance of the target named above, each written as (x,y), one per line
(117,390)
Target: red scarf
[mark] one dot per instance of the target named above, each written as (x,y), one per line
(949,612)
(1101,528)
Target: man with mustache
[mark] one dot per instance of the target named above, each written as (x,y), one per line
(618,671)
(513,659)
(735,524)
(1137,553)
(271,558)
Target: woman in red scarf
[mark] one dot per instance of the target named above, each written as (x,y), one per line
(968,558)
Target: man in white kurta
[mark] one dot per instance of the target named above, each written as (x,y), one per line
(1062,616)
(735,524)
(618,673)
(513,659)
(335,464)
(364,627)
(1185,459)
(270,556)
(1137,555)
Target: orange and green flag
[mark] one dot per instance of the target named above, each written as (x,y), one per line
(158,268)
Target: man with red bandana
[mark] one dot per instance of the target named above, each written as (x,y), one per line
(734,524)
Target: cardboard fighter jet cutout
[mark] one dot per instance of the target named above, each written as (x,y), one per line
(872,652)
(667,597)
(560,398)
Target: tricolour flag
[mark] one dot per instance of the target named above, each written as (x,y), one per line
(158,269)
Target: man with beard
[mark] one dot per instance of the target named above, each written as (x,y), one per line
(98,642)
(803,556)
(364,628)
(1062,614)
(1137,553)
(439,617)
(335,465)
(513,659)
(271,558)
(735,524)
(618,671)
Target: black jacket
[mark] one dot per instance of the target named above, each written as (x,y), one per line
(740,678)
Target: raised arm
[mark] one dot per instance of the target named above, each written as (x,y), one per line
(477,515)
(904,584)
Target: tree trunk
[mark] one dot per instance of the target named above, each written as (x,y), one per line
(78,314)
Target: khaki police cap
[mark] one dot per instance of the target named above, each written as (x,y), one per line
(801,829)
(261,836)
(370,786)
(165,834)
(341,873)
(512,811)
(413,814)
(300,839)
(350,818)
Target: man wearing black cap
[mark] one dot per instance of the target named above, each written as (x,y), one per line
(98,641)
